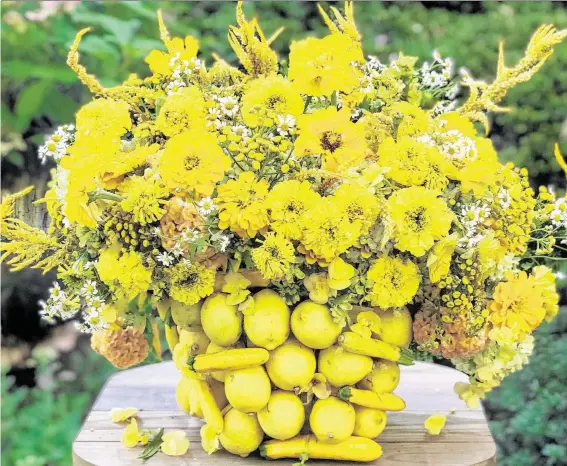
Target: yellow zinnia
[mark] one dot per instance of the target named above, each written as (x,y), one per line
(275,257)
(191,282)
(192,161)
(104,118)
(359,204)
(318,67)
(114,167)
(395,282)
(182,111)
(330,133)
(241,205)
(145,198)
(273,94)
(420,218)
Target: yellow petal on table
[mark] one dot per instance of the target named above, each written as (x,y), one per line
(131,435)
(122,414)
(435,423)
(209,439)
(175,443)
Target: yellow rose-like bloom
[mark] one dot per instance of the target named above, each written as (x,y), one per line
(318,287)
(517,304)
(360,205)
(396,282)
(439,259)
(114,167)
(132,435)
(435,423)
(236,286)
(286,203)
(273,94)
(408,160)
(318,67)
(190,282)
(121,415)
(327,232)
(182,111)
(420,218)
(145,198)
(340,274)
(275,257)
(192,161)
(175,443)
(104,118)
(126,275)
(241,205)
(330,134)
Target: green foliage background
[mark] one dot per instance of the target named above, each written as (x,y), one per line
(529,411)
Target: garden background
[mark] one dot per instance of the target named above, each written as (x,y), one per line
(49,376)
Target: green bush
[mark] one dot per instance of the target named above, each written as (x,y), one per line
(39,424)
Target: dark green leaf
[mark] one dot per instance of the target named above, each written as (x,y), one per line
(153,446)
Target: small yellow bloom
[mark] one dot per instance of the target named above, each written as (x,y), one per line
(121,415)
(175,443)
(435,423)
(340,274)
(318,286)
(235,285)
(132,435)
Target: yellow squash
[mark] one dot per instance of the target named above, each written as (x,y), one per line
(370,399)
(358,344)
(230,359)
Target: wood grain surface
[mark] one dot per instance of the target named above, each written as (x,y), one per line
(427,389)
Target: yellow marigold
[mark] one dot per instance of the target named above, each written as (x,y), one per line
(182,111)
(414,120)
(408,160)
(273,95)
(329,133)
(439,259)
(318,67)
(327,231)
(144,197)
(517,304)
(420,218)
(113,168)
(360,205)
(241,204)
(192,161)
(190,282)
(545,283)
(275,257)
(286,203)
(124,347)
(395,282)
(103,118)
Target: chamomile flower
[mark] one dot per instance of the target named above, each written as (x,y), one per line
(206,206)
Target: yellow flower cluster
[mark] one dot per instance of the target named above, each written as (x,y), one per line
(339,179)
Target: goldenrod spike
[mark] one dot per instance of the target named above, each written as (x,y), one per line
(501,67)
(73,61)
(240,19)
(163,32)
(332,27)
(560,159)
(349,12)
(275,35)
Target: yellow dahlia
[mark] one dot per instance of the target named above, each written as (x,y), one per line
(395,282)
(286,204)
(190,282)
(273,94)
(419,217)
(329,133)
(182,111)
(241,204)
(318,67)
(274,258)
(192,161)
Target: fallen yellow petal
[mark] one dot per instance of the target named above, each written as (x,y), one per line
(131,435)
(209,439)
(175,443)
(435,423)
(122,415)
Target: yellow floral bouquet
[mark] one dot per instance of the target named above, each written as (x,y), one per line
(297,230)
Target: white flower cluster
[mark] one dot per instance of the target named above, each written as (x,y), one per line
(453,144)
(57,305)
(55,146)
(225,110)
(182,73)
(94,303)
(558,215)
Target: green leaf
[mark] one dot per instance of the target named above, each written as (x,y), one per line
(152,447)
(29,103)
(21,70)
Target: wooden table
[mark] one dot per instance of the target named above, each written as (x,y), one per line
(427,389)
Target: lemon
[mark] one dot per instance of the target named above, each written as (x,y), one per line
(369,422)
(241,434)
(217,389)
(248,390)
(186,316)
(313,325)
(283,416)
(396,327)
(291,366)
(221,322)
(214,348)
(341,367)
(267,325)
(183,395)
(195,339)
(383,378)
(332,420)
